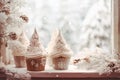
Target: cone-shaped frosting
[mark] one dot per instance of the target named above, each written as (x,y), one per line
(35,39)
(60,47)
(19,47)
(23,39)
(35,46)
(54,34)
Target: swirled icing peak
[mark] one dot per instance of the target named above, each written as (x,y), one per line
(35,46)
(59,46)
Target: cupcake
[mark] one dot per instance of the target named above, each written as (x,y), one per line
(36,54)
(59,52)
(20,61)
(19,50)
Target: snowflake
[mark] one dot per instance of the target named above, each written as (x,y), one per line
(36,65)
(32,62)
(43,61)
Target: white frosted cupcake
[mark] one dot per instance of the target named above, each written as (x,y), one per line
(18,51)
(59,52)
(36,54)
(19,47)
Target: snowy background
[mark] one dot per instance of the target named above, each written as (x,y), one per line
(84,23)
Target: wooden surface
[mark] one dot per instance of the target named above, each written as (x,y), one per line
(80,79)
(116,25)
(70,76)
(73,75)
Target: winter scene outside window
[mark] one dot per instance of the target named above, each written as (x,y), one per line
(55,36)
(84,23)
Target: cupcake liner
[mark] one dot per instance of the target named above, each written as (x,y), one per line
(60,63)
(36,63)
(20,61)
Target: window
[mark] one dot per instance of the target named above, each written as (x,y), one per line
(86,25)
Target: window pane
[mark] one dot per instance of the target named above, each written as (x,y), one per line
(84,23)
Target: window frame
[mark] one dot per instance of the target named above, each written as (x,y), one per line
(115,25)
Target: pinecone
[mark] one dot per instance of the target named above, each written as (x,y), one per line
(13,36)
(76,61)
(6,10)
(24,17)
(111,64)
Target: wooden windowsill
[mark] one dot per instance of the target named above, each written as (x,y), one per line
(69,76)
(72,75)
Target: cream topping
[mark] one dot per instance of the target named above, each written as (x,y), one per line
(23,39)
(59,46)
(35,46)
(17,48)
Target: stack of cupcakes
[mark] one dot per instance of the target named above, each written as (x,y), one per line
(36,54)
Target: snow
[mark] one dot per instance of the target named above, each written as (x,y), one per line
(17,48)
(76,19)
(97,59)
(3,17)
(13,73)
